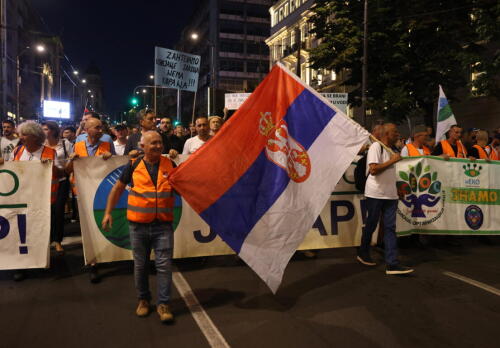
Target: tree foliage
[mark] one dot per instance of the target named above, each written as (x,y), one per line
(413,46)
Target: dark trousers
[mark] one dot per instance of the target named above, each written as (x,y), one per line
(376,207)
(57,212)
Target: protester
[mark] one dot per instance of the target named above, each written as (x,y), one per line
(63,149)
(192,130)
(91,146)
(9,140)
(32,148)
(494,147)
(81,132)
(193,144)
(178,139)
(150,215)
(480,150)
(417,146)
(166,126)
(215,123)
(451,147)
(121,133)
(69,133)
(431,138)
(147,120)
(382,198)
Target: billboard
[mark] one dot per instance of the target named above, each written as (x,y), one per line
(56,109)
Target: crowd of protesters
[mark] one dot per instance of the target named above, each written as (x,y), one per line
(146,143)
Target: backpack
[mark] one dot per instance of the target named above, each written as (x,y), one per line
(360,175)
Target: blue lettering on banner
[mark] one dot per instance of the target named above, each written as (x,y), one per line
(4,227)
(339,218)
(21,226)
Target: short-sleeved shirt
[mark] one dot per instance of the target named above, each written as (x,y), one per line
(192,145)
(382,185)
(104,138)
(7,146)
(153,168)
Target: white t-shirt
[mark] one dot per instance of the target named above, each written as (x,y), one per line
(192,144)
(404,151)
(29,156)
(383,185)
(119,148)
(7,146)
(63,153)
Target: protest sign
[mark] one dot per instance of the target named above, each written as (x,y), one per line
(337,99)
(174,69)
(448,197)
(339,224)
(234,100)
(24,214)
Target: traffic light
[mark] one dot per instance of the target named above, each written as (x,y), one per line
(134,101)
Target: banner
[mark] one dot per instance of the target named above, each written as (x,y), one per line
(24,214)
(232,101)
(174,69)
(448,197)
(337,99)
(339,224)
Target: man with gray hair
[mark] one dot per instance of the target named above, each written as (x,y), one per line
(150,215)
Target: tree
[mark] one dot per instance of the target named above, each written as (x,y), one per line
(413,46)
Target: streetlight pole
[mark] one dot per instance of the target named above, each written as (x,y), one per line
(365,63)
(40,49)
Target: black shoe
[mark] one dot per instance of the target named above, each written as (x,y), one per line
(398,269)
(366,260)
(94,275)
(19,275)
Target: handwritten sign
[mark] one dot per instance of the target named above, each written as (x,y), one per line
(234,100)
(174,69)
(337,99)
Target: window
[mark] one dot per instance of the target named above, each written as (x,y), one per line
(254,10)
(257,48)
(232,8)
(232,85)
(231,27)
(257,66)
(231,65)
(258,29)
(231,46)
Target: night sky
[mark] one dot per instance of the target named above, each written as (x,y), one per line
(119,36)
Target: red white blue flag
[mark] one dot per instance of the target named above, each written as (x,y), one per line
(262,181)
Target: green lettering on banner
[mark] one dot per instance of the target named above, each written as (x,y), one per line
(460,195)
(16,183)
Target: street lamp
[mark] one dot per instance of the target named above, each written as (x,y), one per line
(84,81)
(144,91)
(75,73)
(151,77)
(39,48)
(211,96)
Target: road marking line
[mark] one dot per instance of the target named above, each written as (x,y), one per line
(207,326)
(473,282)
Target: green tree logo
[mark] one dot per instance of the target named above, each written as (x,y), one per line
(418,188)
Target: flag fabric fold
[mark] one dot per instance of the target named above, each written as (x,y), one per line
(444,116)
(284,151)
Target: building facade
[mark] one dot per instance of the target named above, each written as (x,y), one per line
(231,42)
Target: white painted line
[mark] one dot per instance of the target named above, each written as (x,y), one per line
(473,282)
(207,326)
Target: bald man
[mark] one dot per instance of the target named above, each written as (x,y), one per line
(150,215)
(382,200)
(91,146)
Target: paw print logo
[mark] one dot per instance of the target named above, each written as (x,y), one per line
(472,170)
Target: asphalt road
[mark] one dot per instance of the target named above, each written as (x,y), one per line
(329,301)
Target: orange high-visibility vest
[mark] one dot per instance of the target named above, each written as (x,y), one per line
(81,150)
(447,149)
(413,151)
(147,203)
(49,154)
(482,153)
(493,153)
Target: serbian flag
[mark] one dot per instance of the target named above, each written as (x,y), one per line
(262,181)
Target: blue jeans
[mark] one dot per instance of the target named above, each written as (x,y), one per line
(386,207)
(157,236)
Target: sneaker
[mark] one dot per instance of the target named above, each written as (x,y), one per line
(94,275)
(366,260)
(143,308)
(398,269)
(164,313)
(59,248)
